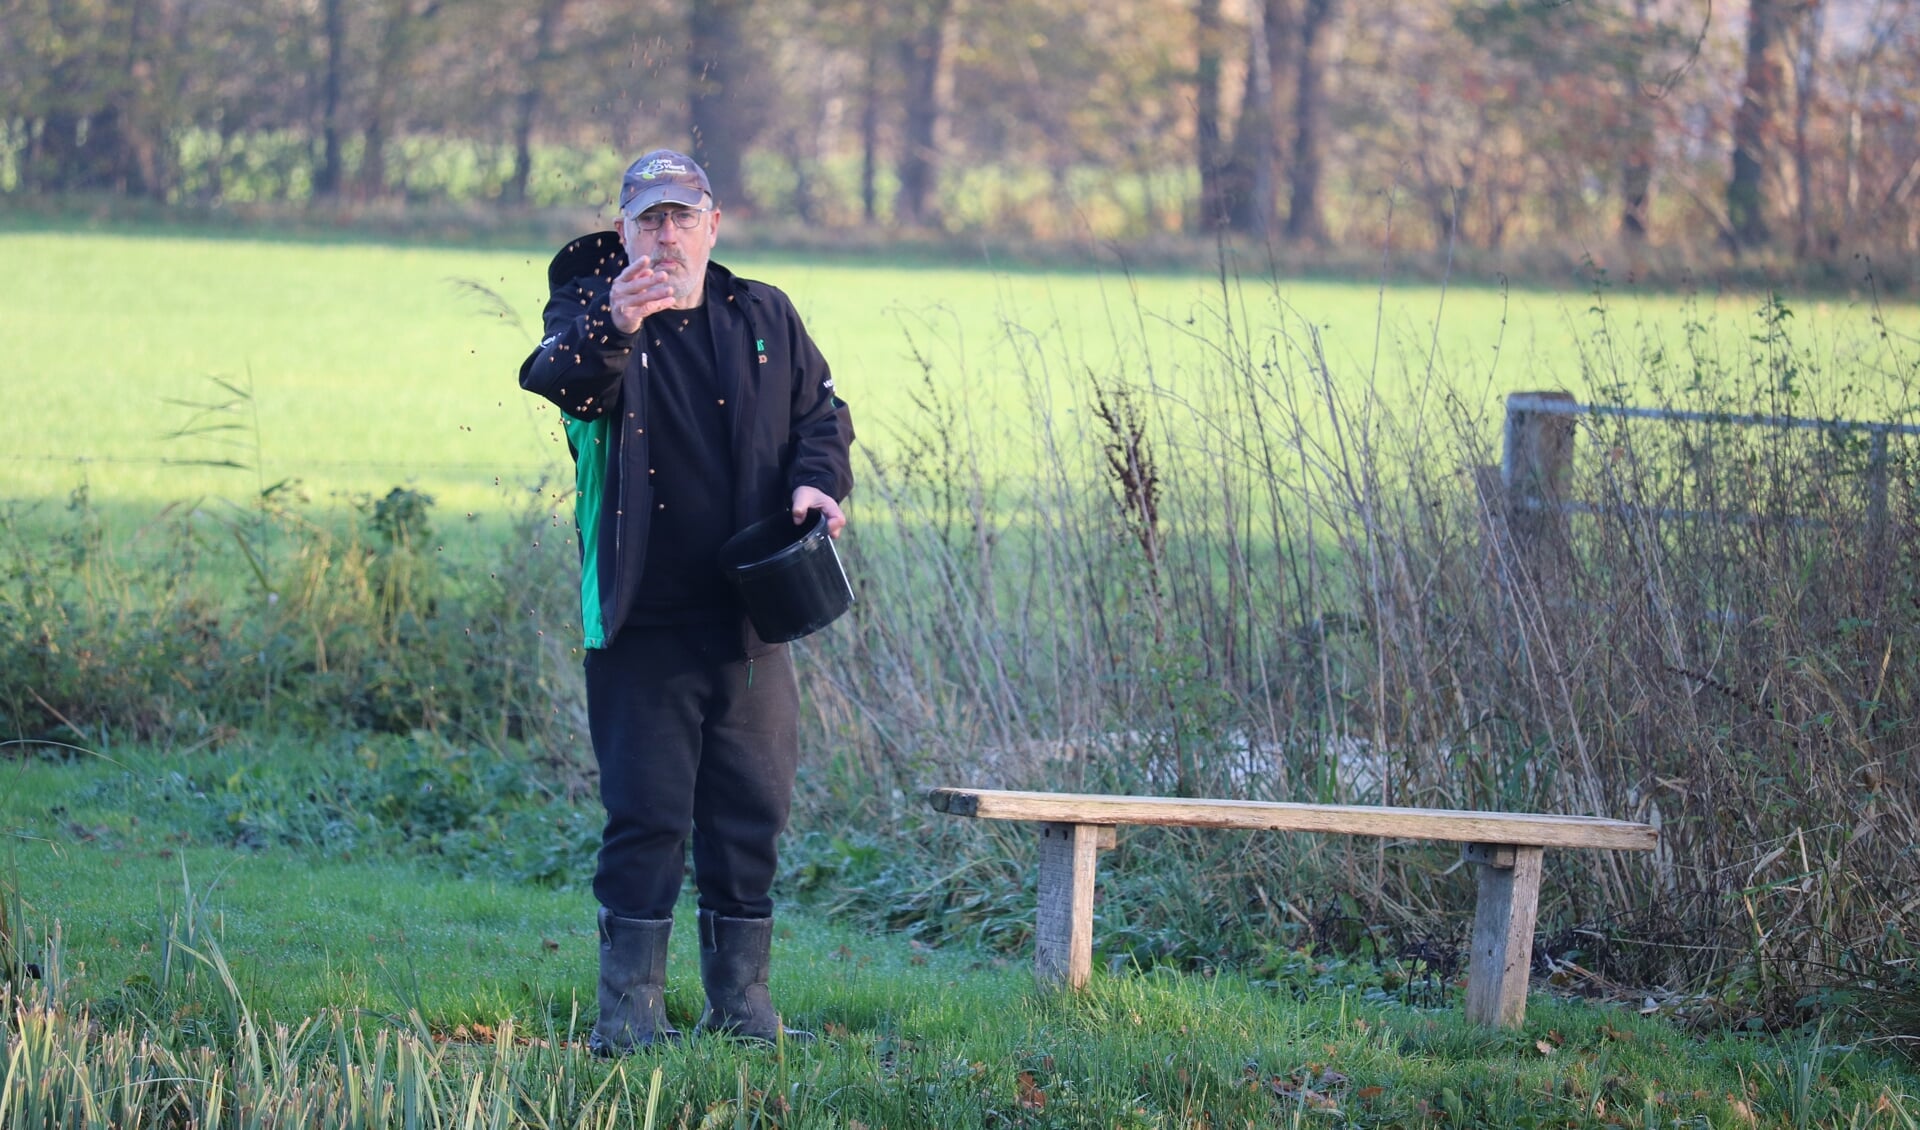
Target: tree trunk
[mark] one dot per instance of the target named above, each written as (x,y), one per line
(1206,95)
(138,106)
(1805,93)
(327,182)
(926,57)
(1305,221)
(1252,197)
(1753,128)
(806,208)
(527,106)
(394,33)
(870,117)
(1636,177)
(396,51)
(1636,166)
(722,127)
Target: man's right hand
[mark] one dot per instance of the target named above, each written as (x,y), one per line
(639,292)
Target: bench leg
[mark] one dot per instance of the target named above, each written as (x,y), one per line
(1063,936)
(1509,898)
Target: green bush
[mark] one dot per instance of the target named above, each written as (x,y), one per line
(334,626)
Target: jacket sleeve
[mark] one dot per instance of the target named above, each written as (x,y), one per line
(578,363)
(822,428)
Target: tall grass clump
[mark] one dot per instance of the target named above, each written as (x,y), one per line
(66,1067)
(1239,566)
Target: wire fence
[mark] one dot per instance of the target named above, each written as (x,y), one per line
(1695,468)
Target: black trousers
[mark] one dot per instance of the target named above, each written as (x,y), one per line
(697,735)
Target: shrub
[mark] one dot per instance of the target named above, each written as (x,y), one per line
(1278,578)
(339,626)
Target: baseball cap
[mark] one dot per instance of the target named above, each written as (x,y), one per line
(662,177)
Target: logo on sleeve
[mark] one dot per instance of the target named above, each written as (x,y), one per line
(760,347)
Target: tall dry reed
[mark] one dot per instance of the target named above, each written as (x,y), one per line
(1244,568)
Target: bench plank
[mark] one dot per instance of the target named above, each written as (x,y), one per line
(1521,829)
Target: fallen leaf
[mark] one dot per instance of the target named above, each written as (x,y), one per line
(1031,1096)
(1368,1094)
(1544,1047)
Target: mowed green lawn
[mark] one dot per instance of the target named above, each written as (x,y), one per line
(371,366)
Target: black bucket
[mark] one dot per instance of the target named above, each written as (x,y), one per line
(787,575)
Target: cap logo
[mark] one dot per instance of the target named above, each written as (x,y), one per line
(654,168)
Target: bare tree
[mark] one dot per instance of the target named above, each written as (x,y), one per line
(527,104)
(723,111)
(1305,220)
(1209,153)
(1636,165)
(402,26)
(1806,78)
(1251,193)
(870,110)
(328,179)
(926,59)
(1753,127)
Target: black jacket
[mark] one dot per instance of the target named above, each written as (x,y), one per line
(789,429)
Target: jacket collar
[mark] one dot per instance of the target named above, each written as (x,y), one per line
(600,254)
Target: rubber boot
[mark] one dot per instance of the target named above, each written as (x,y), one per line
(735,954)
(633,977)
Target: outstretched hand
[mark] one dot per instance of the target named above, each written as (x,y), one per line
(639,292)
(812,498)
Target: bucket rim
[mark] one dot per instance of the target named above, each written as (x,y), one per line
(813,528)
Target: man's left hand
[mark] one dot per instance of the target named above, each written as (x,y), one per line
(812,498)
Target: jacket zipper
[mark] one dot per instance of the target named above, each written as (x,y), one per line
(616,465)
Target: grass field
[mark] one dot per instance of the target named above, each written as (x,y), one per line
(370,366)
(155,893)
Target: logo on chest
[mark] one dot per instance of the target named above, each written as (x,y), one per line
(760,347)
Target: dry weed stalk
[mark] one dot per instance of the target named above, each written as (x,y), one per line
(1318,585)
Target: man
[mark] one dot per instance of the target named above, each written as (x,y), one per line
(694,404)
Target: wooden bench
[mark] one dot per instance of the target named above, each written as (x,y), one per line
(1505,848)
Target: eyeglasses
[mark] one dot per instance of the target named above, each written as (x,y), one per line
(686,219)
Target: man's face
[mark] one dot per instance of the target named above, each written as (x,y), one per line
(682,252)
